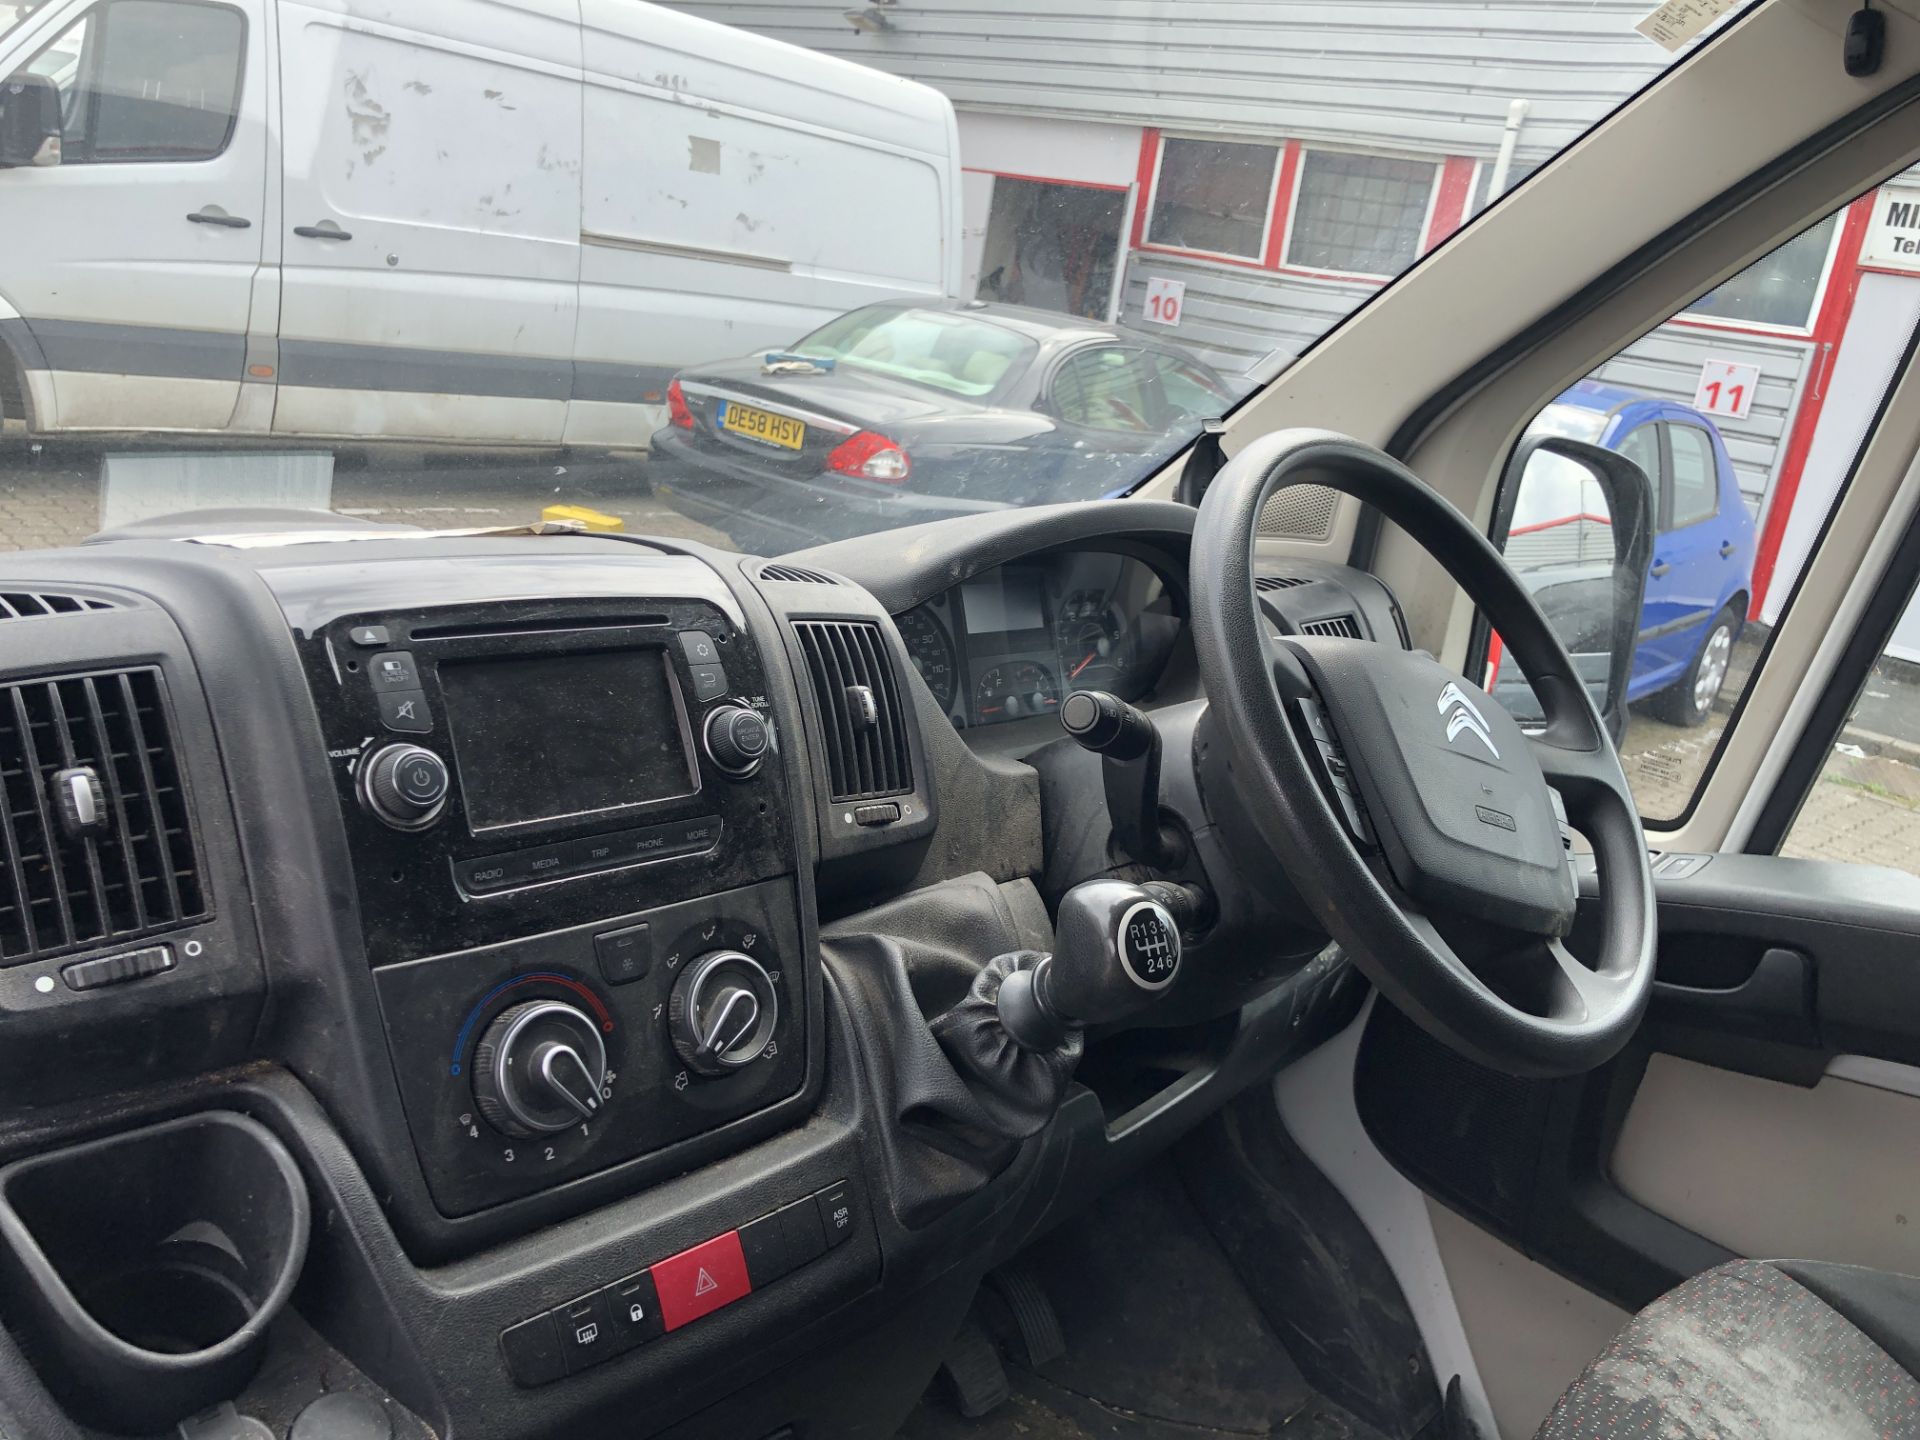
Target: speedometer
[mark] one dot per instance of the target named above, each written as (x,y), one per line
(931,652)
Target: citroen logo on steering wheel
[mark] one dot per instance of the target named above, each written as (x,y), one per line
(1463,714)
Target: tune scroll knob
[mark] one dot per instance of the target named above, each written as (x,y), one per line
(737,739)
(541,1067)
(722,1012)
(405,786)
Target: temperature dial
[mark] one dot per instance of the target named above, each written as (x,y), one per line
(722,1011)
(541,1067)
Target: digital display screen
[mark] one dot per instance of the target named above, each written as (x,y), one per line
(540,737)
(1006,600)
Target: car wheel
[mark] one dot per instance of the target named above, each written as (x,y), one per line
(1690,700)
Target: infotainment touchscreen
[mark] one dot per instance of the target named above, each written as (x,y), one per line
(540,737)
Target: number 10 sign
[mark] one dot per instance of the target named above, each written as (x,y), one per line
(1726,389)
(1165,299)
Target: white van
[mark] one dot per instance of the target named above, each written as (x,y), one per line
(483,220)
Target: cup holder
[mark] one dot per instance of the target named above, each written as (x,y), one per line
(147,1266)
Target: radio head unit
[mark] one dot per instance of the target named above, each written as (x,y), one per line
(509,767)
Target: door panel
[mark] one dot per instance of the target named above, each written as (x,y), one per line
(432,260)
(137,310)
(1766,1168)
(1718,1131)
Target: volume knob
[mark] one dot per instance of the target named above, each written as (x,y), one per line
(405,786)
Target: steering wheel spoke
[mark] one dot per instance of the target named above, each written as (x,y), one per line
(1578,992)
(1585,778)
(1470,812)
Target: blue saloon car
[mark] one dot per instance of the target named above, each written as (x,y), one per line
(1700,580)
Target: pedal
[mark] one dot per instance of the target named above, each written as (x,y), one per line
(973,1373)
(1033,1314)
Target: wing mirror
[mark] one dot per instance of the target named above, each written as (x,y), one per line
(1575,521)
(29,121)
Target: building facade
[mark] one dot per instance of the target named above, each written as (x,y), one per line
(1196,168)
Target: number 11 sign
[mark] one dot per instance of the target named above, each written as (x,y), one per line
(1726,389)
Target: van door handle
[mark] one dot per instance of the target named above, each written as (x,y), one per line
(224,221)
(326,230)
(1658,570)
(1727,547)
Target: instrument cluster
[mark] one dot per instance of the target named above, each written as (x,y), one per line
(1012,642)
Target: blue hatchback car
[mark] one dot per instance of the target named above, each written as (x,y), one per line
(1701,575)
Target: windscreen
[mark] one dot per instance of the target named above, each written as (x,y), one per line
(757,276)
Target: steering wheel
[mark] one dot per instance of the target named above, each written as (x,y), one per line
(1419,823)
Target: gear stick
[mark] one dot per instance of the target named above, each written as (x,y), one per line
(1015,1036)
(1116,947)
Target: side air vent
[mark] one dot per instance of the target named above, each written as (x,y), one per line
(98,841)
(29,604)
(1280,582)
(862,713)
(795,575)
(1345,627)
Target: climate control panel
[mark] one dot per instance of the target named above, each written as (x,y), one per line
(530,1063)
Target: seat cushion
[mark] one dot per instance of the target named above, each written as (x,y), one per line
(1741,1352)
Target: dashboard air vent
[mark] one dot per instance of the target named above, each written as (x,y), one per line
(1280,582)
(1344,627)
(795,575)
(862,713)
(94,823)
(28,604)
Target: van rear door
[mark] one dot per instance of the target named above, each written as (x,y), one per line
(432,258)
(130,265)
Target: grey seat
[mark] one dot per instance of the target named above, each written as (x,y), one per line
(1758,1350)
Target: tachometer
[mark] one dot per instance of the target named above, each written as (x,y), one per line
(1095,653)
(931,652)
(1014,691)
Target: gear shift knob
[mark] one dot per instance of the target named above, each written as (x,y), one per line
(1116,947)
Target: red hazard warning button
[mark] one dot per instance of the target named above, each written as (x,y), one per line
(699,1281)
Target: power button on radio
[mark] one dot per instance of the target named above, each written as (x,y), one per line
(405,786)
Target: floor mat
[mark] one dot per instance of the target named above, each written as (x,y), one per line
(1163,1342)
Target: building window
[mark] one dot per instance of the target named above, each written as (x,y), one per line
(1363,214)
(1777,289)
(1213,195)
(1483,196)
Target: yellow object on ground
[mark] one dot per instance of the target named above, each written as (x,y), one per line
(592,519)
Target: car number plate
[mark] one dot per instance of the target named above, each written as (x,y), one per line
(763,425)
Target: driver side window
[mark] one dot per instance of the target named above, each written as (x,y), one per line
(1747,451)
(146,80)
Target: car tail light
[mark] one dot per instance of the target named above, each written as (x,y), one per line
(871,457)
(678,415)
